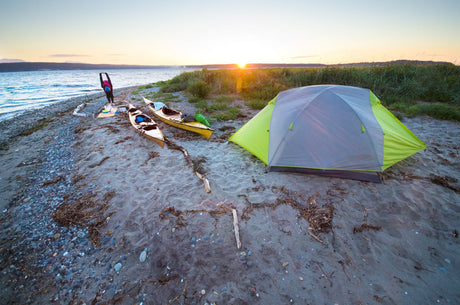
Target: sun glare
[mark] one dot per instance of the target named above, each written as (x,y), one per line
(241,65)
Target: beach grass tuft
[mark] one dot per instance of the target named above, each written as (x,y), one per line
(143,87)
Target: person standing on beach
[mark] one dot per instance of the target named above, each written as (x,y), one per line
(106,84)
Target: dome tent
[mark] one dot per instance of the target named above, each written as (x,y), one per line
(331,130)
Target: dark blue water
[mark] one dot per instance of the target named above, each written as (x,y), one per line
(21,91)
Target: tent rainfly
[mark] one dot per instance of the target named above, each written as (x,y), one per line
(331,130)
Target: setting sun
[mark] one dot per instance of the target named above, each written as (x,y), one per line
(241,65)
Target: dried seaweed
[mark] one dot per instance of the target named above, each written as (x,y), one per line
(365,227)
(445,181)
(318,216)
(53,181)
(198,164)
(166,213)
(127,138)
(152,155)
(86,212)
(133,290)
(110,127)
(40,124)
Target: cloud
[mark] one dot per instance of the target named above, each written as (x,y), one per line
(68,55)
(10,60)
(304,56)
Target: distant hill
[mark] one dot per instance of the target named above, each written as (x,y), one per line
(317,65)
(38,66)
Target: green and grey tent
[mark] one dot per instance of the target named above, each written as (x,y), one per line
(331,130)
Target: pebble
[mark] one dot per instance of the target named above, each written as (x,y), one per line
(143,256)
(117,267)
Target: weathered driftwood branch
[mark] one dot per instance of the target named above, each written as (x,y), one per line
(236,228)
(317,238)
(78,109)
(202,177)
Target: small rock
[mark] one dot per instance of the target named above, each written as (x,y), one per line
(143,256)
(285,264)
(203,292)
(117,267)
(57,235)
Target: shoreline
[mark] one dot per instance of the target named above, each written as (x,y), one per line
(144,229)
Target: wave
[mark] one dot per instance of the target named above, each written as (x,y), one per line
(72,85)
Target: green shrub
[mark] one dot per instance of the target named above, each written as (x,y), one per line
(398,86)
(226,99)
(231,114)
(218,107)
(202,104)
(143,87)
(256,104)
(178,83)
(436,110)
(194,99)
(199,88)
(163,97)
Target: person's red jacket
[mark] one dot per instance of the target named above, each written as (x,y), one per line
(106,82)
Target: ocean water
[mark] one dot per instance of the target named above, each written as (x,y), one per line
(21,91)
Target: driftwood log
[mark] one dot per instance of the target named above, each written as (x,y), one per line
(202,177)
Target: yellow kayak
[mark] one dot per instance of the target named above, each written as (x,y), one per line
(174,118)
(145,125)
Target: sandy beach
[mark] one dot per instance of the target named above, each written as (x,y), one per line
(93,213)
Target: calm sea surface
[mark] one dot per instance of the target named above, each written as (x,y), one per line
(21,91)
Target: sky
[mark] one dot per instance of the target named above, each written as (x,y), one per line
(198,32)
